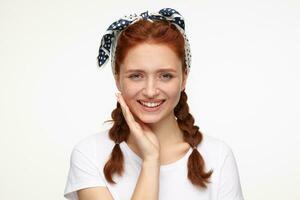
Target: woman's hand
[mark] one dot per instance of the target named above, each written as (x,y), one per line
(145,139)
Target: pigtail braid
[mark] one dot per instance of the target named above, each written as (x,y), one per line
(193,136)
(118,132)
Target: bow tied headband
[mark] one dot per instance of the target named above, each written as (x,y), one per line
(110,38)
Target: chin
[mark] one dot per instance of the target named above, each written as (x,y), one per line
(149,119)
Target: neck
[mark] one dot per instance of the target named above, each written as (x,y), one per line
(167,131)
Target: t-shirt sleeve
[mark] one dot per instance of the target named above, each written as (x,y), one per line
(230,187)
(83,173)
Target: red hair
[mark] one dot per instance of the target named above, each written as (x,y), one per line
(157,32)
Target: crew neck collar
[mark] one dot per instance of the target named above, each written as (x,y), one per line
(165,167)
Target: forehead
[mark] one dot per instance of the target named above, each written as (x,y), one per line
(151,58)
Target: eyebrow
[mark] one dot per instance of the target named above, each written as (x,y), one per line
(160,70)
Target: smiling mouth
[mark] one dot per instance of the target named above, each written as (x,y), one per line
(151,104)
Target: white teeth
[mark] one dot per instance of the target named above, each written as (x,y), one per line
(151,105)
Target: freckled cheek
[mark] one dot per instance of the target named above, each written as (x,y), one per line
(130,91)
(173,93)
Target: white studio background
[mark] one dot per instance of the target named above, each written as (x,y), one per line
(243,87)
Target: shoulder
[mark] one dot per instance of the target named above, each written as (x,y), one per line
(95,146)
(213,143)
(214,150)
(220,158)
(92,140)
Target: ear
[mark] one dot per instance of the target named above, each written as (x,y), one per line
(184,80)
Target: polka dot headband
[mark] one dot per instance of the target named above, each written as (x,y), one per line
(110,38)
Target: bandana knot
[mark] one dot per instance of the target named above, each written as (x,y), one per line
(110,38)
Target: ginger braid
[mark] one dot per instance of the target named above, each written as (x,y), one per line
(193,136)
(120,131)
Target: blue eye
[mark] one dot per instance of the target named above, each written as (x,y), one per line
(134,76)
(167,76)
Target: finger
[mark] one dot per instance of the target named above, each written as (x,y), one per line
(134,126)
(127,114)
(121,104)
(135,121)
(142,124)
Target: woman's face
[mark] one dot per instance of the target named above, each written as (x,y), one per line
(151,74)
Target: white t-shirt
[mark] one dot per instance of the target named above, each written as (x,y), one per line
(91,153)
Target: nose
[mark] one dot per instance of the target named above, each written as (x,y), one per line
(150,89)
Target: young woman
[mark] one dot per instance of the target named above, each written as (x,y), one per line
(153,149)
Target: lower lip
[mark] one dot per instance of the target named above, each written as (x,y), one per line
(148,109)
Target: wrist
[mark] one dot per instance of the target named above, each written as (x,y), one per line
(152,161)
